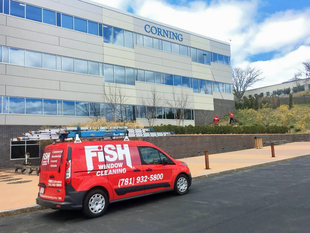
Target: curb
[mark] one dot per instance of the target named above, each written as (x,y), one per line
(23,210)
(247,167)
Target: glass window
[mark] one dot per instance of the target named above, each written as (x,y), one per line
(187,114)
(186,82)
(17,105)
(118,36)
(59,107)
(17,9)
(82,109)
(195,85)
(221,59)
(149,155)
(5,54)
(33,59)
(67,21)
(49,17)
(228,88)
(183,50)
(5,104)
(1,6)
(208,88)
(93,68)
(226,60)
(214,57)
(139,40)
(128,39)
(194,54)
(159,112)
(148,42)
(92,28)
(6,7)
(166,46)
(67,64)
(159,78)
(19,149)
(80,66)
(169,113)
(207,58)
(100,29)
(68,108)
(80,24)
(149,76)
(101,72)
(94,109)
(156,43)
(202,85)
(50,107)
(119,74)
(200,56)
(175,48)
(34,106)
(58,19)
(107,34)
(130,77)
(0,53)
(216,86)
(141,76)
(177,80)
(49,61)
(108,73)
(222,87)
(17,56)
(34,13)
(168,79)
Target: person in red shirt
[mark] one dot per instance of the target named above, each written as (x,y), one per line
(216,120)
(231,117)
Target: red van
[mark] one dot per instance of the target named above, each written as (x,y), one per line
(90,175)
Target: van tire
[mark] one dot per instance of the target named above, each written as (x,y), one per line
(181,184)
(95,203)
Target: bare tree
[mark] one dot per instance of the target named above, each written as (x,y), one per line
(115,100)
(150,103)
(243,79)
(179,103)
(302,76)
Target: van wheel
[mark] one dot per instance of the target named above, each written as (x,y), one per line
(95,203)
(181,184)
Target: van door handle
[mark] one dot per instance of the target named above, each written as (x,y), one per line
(148,170)
(52,176)
(137,170)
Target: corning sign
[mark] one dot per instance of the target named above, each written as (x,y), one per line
(163,32)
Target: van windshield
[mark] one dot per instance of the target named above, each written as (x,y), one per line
(51,160)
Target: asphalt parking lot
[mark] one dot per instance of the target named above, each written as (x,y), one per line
(272,198)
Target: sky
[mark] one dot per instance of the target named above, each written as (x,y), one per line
(270,35)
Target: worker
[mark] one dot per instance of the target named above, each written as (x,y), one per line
(216,120)
(231,117)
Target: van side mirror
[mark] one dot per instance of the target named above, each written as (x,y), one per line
(165,161)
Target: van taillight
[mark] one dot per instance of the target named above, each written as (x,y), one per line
(68,172)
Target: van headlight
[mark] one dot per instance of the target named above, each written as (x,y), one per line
(185,164)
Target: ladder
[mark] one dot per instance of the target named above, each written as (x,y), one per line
(69,133)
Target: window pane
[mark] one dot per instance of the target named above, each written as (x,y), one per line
(139,40)
(94,109)
(221,59)
(34,13)
(187,114)
(5,54)
(67,21)
(148,42)
(80,66)
(33,59)
(186,82)
(177,80)
(6,7)
(17,105)
(168,79)
(118,36)
(207,58)
(159,78)
(200,58)
(214,57)
(216,87)
(159,113)
(149,77)
(5,104)
(194,54)
(59,107)
(166,46)
(18,152)
(100,29)
(149,155)
(58,19)
(68,108)
(107,34)
(93,68)
(108,73)
(195,85)
(50,107)
(33,106)
(82,109)
(17,56)
(141,76)
(93,28)
(49,17)
(0,53)
(183,50)
(128,39)
(226,61)
(67,64)
(156,44)
(80,25)
(58,61)
(228,88)
(1,6)
(49,61)
(18,9)
(175,48)
(222,87)
(208,88)
(130,77)
(101,72)
(169,112)
(119,74)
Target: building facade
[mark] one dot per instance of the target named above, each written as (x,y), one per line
(65,61)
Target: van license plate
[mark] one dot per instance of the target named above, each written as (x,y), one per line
(42,190)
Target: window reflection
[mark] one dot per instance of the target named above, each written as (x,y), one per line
(130,77)
(183,50)
(194,54)
(82,109)
(128,39)
(200,58)
(149,77)
(108,73)
(80,66)
(141,76)
(49,61)
(49,17)
(17,105)
(175,48)
(50,107)
(33,59)
(177,80)
(33,106)
(119,74)
(118,36)
(168,79)
(34,13)
(94,109)
(80,25)
(17,56)
(139,40)
(148,42)
(166,46)
(92,28)
(186,82)
(107,34)
(67,64)
(68,108)
(17,9)
(67,21)
(93,68)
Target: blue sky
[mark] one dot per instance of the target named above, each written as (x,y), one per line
(270,35)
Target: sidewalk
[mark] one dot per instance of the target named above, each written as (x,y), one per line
(20,190)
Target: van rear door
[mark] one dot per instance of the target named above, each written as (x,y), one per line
(52,174)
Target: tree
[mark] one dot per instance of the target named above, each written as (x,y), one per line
(150,103)
(302,77)
(243,79)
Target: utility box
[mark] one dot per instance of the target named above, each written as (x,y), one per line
(258,142)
